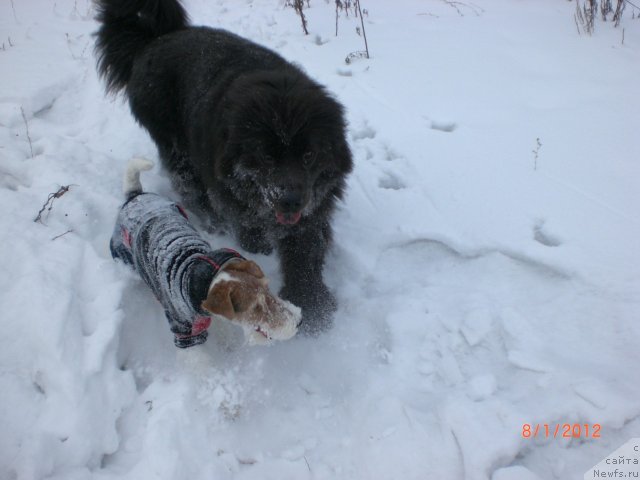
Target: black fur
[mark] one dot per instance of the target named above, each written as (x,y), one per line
(250,139)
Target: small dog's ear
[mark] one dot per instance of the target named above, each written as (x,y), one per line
(238,293)
(230,299)
(245,266)
(218,300)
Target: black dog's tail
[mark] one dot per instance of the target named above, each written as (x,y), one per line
(127,26)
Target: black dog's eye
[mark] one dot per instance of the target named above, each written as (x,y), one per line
(268,159)
(308,158)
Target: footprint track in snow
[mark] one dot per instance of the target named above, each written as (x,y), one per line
(319,41)
(443,126)
(543,237)
(470,326)
(391,181)
(364,132)
(446,126)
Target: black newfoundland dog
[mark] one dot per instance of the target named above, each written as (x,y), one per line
(250,140)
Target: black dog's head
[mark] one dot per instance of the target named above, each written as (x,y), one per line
(285,145)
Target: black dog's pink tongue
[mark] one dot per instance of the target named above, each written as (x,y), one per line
(288,218)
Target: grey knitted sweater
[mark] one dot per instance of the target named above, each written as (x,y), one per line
(154,236)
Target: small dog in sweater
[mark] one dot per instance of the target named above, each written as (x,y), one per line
(192,281)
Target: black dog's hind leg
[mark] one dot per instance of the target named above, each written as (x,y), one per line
(192,191)
(302,261)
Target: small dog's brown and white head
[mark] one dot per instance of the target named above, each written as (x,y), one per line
(240,293)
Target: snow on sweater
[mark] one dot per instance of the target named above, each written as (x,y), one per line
(154,236)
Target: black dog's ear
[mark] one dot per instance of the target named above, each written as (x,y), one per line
(343,158)
(224,164)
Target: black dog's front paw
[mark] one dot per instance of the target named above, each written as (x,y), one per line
(253,240)
(318,306)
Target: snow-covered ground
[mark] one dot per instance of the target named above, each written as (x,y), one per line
(486,260)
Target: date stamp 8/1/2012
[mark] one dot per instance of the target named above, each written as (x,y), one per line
(561,430)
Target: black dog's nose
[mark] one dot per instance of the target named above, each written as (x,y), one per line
(291,202)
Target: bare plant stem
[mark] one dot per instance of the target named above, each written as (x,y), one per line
(586,13)
(474,8)
(62,234)
(48,205)
(298,5)
(13,9)
(617,15)
(26,125)
(535,152)
(366,46)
